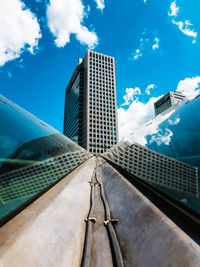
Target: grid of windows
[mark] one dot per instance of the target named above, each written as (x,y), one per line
(34,157)
(30,180)
(155,168)
(90,107)
(167,101)
(73,108)
(102,102)
(164,106)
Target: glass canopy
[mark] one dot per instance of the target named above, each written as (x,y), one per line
(33,156)
(165,153)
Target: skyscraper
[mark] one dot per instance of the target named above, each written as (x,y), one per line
(167,101)
(90,117)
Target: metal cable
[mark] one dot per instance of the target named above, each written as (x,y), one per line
(114,244)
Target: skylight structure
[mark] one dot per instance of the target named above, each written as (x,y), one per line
(33,156)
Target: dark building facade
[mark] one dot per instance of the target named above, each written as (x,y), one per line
(90,117)
(73,117)
(169,100)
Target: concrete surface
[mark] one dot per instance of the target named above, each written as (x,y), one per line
(51,231)
(146,236)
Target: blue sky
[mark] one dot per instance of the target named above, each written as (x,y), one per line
(156,45)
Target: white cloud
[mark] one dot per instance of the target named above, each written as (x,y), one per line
(190,87)
(135,122)
(66,18)
(175,122)
(149,87)
(184,26)
(130,92)
(156,44)
(100,4)
(19,30)
(137,54)
(150,128)
(140,124)
(174,9)
(147,42)
(162,137)
(136,115)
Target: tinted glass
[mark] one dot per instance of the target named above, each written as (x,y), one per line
(33,156)
(72,123)
(165,152)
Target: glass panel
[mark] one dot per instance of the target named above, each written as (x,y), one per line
(33,156)
(165,152)
(72,111)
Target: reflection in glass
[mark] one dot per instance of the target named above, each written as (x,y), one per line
(165,152)
(33,156)
(73,109)
(155,168)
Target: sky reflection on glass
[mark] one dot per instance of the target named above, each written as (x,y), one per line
(33,156)
(175,134)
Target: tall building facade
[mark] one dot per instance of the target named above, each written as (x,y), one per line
(90,117)
(169,100)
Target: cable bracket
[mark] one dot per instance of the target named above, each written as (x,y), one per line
(113,221)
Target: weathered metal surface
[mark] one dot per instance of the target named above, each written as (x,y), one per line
(51,231)
(101,254)
(97,251)
(147,236)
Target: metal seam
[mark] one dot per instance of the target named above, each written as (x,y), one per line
(88,234)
